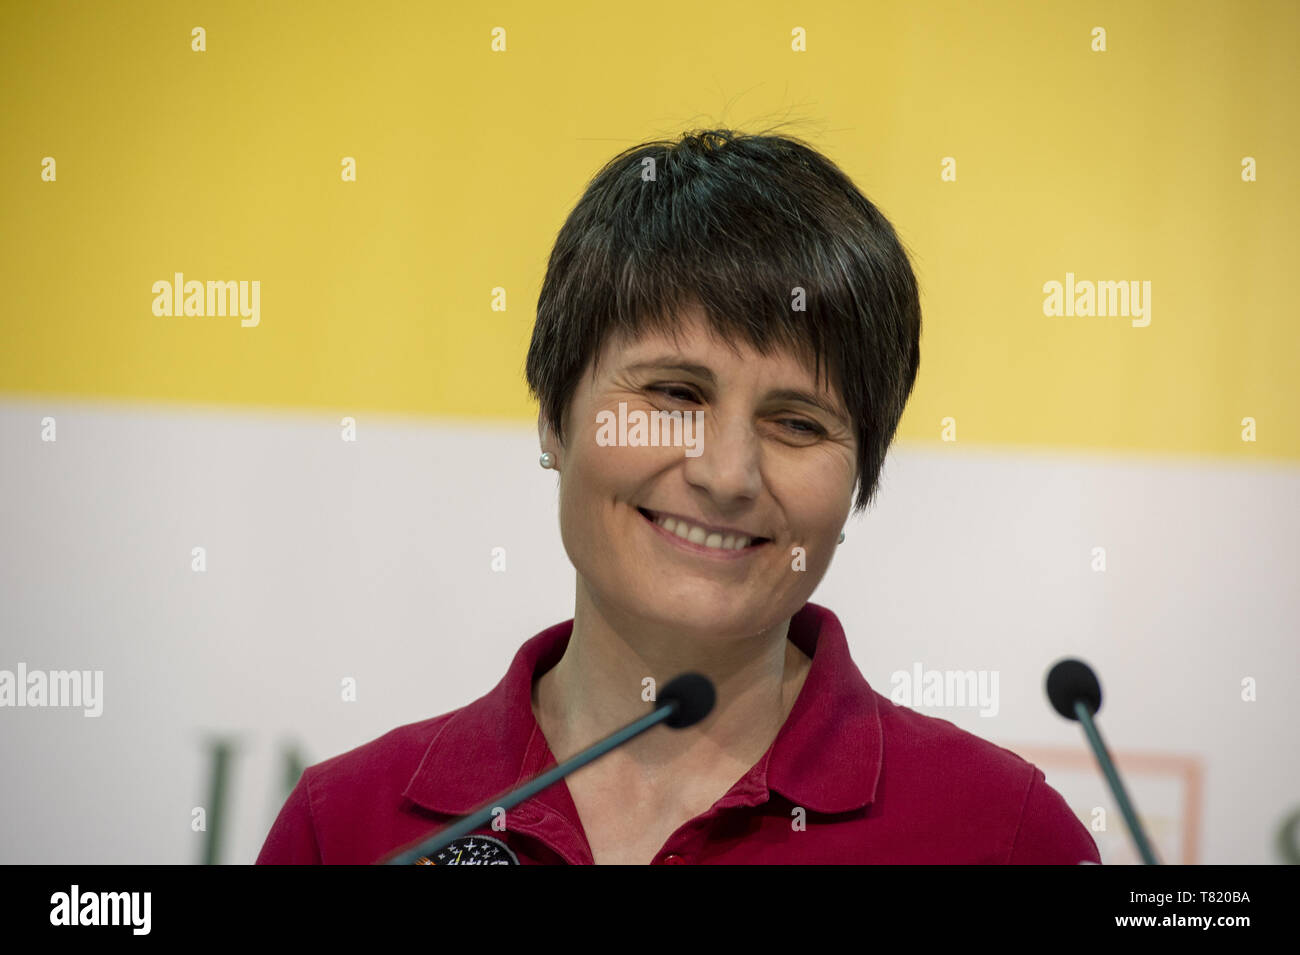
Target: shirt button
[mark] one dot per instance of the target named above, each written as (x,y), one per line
(674,859)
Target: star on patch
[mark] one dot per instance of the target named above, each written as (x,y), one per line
(472,850)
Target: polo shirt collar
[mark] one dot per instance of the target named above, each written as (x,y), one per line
(826,758)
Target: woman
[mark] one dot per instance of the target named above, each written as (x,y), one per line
(739,291)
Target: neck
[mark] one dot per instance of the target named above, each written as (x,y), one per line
(598,684)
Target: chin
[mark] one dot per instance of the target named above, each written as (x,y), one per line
(705,618)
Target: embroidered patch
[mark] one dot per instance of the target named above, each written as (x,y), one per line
(472,850)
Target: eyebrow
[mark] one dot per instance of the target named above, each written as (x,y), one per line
(672,363)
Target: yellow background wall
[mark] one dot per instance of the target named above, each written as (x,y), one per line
(376,295)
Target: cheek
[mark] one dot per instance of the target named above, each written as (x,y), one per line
(613,472)
(815,494)
(598,487)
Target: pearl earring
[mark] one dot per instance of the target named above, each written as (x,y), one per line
(547,460)
(841,540)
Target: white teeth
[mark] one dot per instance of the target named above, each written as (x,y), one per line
(698,535)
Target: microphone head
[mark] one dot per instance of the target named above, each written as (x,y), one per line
(694,695)
(1071,680)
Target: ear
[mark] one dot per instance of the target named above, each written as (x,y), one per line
(544,435)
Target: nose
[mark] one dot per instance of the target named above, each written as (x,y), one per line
(727,467)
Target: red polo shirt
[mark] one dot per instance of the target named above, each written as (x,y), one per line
(879,783)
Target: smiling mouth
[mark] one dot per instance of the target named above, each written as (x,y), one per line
(701,536)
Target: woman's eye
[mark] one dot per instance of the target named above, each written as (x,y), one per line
(800,426)
(676,391)
(807,427)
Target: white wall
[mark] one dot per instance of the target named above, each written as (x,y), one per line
(371,560)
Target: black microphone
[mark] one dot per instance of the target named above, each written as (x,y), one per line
(685,701)
(1075,694)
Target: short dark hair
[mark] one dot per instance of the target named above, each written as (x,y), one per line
(735,222)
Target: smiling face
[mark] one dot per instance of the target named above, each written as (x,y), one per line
(772,466)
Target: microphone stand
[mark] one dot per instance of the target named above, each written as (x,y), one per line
(483,815)
(1084,715)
